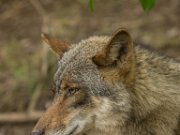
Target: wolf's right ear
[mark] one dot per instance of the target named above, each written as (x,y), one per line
(119,49)
(59,47)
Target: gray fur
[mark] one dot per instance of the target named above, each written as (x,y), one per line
(150,107)
(157,79)
(78,63)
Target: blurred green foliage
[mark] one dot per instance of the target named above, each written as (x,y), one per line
(91,5)
(147,5)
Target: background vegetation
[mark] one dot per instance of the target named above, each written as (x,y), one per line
(27,67)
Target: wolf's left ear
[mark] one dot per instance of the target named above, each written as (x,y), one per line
(118,50)
(59,47)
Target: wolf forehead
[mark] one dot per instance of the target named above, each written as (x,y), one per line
(77,63)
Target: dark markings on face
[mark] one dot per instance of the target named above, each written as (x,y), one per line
(72,92)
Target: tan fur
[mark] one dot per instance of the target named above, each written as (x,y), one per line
(108,85)
(58,46)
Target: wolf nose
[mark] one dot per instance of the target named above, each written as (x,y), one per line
(37,133)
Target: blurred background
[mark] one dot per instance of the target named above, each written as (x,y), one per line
(27,67)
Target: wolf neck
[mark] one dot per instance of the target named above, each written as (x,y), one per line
(154,83)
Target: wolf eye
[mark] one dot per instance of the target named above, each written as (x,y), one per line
(71,91)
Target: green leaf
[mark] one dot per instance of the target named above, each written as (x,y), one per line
(147,4)
(91,5)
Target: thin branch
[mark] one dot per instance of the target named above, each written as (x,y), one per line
(42,13)
(34,98)
(44,64)
(36,4)
(20,117)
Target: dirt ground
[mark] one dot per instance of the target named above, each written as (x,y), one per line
(25,65)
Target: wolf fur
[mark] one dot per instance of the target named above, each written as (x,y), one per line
(107,85)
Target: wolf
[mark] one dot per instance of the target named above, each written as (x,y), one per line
(107,85)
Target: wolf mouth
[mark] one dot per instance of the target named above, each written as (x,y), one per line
(72,130)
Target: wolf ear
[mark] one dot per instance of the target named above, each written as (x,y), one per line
(118,50)
(59,47)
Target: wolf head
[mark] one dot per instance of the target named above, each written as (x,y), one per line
(91,85)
